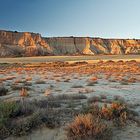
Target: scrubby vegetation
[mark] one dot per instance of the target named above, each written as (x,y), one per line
(66,97)
(3,91)
(97,119)
(61,94)
(92,120)
(20,117)
(116,111)
(87,127)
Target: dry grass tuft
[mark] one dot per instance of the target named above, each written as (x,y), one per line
(85,127)
(47,92)
(94,99)
(40,82)
(116,112)
(92,81)
(23,92)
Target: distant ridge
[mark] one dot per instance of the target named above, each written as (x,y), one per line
(15,44)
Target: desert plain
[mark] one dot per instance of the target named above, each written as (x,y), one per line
(70,98)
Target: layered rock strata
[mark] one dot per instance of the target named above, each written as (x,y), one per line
(14,44)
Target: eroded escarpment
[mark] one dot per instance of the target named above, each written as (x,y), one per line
(32,44)
(22,44)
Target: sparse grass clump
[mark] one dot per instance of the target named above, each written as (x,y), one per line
(77,86)
(128,81)
(7,111)
(87,127)
(23,92)
(119,99)
(3,91)
(40,82)
(116,112)
(16,87)
(47,103)
(23,126)
(124,83)
(94,99)
(67,80)
(67,97)
(19,118)
(93,124)
(92,81)
(93,109)
(103,97)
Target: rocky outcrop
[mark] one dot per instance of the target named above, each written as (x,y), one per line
(22,44)
(69,45)
(31,44)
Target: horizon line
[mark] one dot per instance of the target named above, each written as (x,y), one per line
(70,36)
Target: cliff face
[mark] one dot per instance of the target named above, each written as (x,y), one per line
(83,45)
(69,45)
(31,44)
(22,44)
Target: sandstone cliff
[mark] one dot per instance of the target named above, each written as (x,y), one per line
(31,44)
(22,44)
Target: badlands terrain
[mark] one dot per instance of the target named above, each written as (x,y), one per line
(15,43)
(75,98)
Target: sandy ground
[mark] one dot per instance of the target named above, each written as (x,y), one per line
(42,59)
(43,134)
(74,80)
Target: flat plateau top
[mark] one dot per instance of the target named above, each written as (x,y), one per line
(45,59)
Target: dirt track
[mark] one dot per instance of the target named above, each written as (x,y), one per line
(42,59)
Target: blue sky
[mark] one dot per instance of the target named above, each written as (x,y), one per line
(95,18)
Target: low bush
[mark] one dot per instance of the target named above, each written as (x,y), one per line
(48,103)
(92,81)
(3,91)
(87,127)
(116,112)
(94,99)
(40,82)
(7,109)
(23,92)
(91,123)
(66,97)
(24,126)
(19,118)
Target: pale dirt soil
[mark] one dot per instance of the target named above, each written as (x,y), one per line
(43,59)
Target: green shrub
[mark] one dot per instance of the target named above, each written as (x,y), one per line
(7,111)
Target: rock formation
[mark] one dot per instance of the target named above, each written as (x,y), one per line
(22,44)
(14,44)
